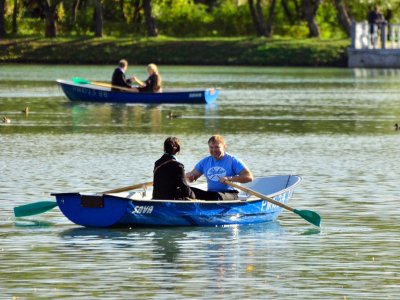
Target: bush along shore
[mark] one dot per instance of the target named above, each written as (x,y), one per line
(169,51)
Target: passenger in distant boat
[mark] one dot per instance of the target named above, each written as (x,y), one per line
(169,174)
(119,77)
(219,167)
(153,84)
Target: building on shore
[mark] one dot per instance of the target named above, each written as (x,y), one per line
(375,46)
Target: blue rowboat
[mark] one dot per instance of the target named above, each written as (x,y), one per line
(138,209)
(95,93)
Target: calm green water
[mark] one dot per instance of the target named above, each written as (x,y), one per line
(334,127)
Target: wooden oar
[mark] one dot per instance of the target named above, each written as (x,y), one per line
(307,215)
(43,206)
(128,188)
(103,84)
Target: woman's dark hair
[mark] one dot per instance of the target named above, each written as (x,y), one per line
(172,145)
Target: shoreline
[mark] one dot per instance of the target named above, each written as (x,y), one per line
(171,51)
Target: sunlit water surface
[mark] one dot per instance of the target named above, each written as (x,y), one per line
(333,127)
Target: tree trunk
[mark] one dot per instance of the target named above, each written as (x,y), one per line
(50,17)
(98,24)
(136,19)
(2,22)
(50,23)
(76,9)
(298,9)
(309,14)
(258,18)
(287,12)
(14,18)
(149,19)
(343,16)
(270,20)
(121,7)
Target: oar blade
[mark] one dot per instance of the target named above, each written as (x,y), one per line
(80,80)
(34,208)
(310,216)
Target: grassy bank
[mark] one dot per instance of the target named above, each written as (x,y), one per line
(169,51)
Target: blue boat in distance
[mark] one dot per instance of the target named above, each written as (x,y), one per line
(102,94)
(136,208)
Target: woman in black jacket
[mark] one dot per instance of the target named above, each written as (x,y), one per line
(153,84)
(169,175)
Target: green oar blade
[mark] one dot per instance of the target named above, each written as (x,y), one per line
(80,80)
(309,216)
(34,208)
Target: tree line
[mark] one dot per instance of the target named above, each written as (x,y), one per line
(186,18)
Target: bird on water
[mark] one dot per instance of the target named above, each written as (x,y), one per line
(171,115)
(26,110)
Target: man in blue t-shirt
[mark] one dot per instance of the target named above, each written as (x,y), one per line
(219,167)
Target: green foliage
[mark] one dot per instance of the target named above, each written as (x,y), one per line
(298,31)
(183,18)
(327,17)
(31,27)
(230,20)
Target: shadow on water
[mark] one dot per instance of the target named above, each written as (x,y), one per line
(21,222)
(138,117)
(168,242)
(172,232)
(311,231)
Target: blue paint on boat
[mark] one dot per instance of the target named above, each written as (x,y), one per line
(132,209)
(92,93)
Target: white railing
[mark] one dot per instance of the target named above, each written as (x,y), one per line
(377,37)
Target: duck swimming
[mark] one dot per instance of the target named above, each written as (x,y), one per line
(26,110)
(396,127)
(172,116)
(6,120)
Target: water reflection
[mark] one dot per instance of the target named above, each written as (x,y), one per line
(153,118)
(170,244)
(383,74)
(21,222)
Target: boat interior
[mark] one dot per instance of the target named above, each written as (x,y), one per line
(268,186)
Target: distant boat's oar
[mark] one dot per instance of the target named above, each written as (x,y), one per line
(307,215)
(43,206)
(78,80)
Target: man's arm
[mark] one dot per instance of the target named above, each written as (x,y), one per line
(193,175)
(244,176)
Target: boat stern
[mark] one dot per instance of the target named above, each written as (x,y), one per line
(91,210)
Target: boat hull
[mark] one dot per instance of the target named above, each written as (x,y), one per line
(91,93)
(199,214)
(113,210)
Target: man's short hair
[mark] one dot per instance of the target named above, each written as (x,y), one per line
(123,63)
(217,139)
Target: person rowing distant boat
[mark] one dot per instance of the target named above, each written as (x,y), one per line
(153,83)
(218,168)
(119,77)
